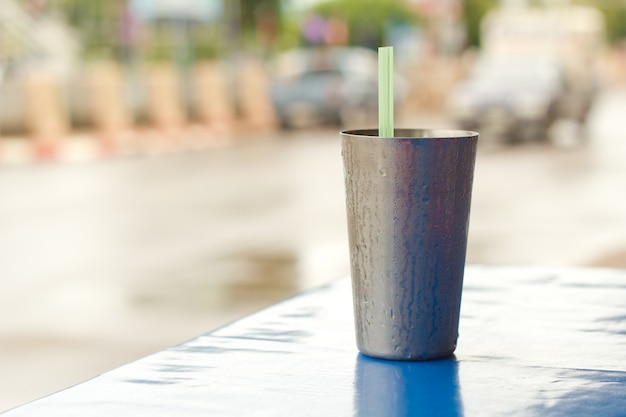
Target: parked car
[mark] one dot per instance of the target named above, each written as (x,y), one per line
(516,98)
(328,85)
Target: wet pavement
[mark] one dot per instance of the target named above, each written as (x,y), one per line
(105,262)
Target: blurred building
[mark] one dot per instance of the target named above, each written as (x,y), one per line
(31,36)
(16,40)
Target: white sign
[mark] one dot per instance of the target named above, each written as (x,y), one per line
(202,10)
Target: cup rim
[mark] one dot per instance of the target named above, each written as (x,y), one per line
(418,133)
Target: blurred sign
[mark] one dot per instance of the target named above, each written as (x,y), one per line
(300,6)
(200,10)
(438,8)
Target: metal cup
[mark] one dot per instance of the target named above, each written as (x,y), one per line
(408,203)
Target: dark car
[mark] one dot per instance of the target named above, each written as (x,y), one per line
(327,85)
(515,98)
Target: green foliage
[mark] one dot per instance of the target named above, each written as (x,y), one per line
(615,21)
(261,23)
(367,19)
(289,35)
(95,23)
(251,11)
(614,12)
(206,44)
(475,10)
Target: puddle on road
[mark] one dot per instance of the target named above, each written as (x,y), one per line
(243,279)
(266,274)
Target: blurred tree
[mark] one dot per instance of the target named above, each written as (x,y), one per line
(367,19)
(252,10)
(96,24)
(616,23)
(474,10)
(110,29)
(260,22)
(614,16)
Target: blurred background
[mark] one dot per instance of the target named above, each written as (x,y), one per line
(169,166)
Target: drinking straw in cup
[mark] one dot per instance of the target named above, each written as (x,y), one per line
(385,91)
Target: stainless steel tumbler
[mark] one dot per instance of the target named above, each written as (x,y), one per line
(408,203)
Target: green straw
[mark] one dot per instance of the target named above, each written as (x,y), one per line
(385,91)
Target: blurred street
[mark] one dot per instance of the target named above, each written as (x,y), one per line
(107,261)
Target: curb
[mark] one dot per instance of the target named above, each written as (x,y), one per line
(91,146)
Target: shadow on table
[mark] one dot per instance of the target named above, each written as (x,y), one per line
(393,388)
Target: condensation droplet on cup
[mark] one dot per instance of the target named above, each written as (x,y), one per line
(383,172)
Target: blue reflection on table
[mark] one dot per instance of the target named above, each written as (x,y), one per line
(386,388)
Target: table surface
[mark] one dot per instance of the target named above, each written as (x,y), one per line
(533,342)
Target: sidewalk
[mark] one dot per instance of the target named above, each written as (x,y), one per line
(90,146)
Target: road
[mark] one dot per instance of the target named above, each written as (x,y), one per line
(105,262)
